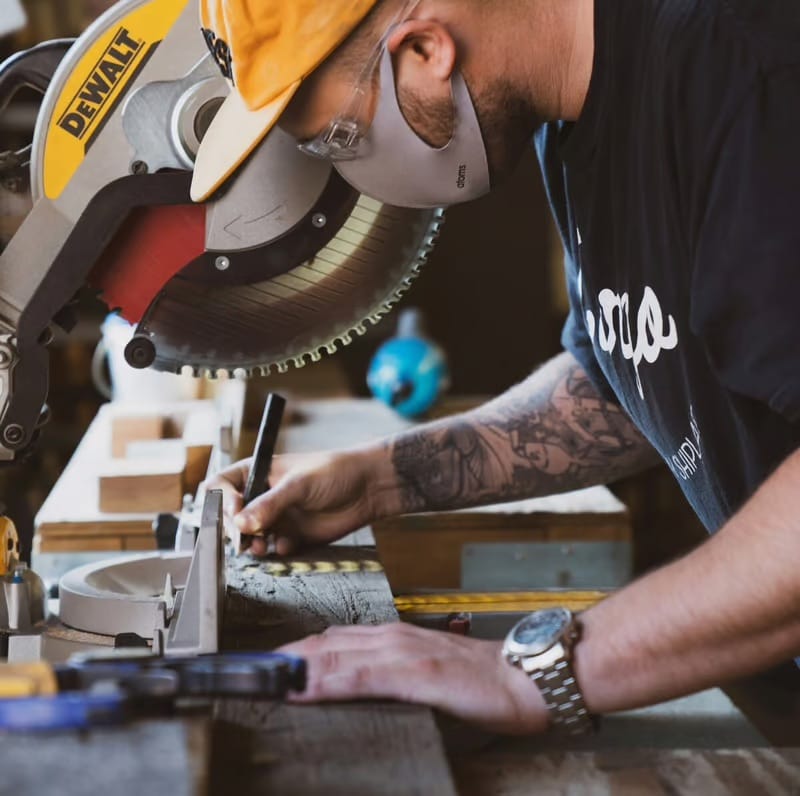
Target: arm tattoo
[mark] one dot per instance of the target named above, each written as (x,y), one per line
(551,434)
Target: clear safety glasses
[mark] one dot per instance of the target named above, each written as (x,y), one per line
(342,138)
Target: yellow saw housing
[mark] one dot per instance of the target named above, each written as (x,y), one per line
(96,84)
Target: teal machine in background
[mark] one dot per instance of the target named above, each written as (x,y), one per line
(409,372)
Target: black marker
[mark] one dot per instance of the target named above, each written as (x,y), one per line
(257,483)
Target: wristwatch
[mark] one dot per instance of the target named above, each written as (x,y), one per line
(542,646)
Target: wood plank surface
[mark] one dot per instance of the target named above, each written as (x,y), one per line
(368,748)
(401,539)
(632,772)
(155,757)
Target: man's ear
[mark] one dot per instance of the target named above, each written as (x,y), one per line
(424,47)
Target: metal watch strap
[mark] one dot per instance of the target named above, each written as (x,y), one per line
(563,699)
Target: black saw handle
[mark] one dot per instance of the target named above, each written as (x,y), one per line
(33,68)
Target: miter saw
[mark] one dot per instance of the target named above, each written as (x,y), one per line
(284,264)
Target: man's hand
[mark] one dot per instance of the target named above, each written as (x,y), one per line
(463,677)
(314,499)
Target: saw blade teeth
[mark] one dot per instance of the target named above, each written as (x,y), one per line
(340,338)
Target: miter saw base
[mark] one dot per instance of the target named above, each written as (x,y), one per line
(172,603)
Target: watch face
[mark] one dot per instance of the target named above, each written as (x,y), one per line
(538,632)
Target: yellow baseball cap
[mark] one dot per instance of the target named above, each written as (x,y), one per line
(265,48)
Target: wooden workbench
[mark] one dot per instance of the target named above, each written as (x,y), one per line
(381,748)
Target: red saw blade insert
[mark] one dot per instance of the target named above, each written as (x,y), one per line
(152,246)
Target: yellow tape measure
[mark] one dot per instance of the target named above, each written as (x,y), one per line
(289,568)
(496,602)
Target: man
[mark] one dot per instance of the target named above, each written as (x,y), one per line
(666,130)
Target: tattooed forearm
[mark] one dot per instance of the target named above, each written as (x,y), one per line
(552,433)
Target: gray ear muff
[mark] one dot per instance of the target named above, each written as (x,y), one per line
(397,167)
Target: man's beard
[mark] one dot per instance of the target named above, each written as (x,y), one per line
(507,123)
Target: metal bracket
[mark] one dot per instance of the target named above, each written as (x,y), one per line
(197,619)
(120,596)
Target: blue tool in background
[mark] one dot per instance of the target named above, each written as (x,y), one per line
(409,372)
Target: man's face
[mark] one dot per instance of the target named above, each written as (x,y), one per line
(426,102)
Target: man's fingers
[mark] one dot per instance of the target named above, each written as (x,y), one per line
(230,482)
(464,677)
(232,502)
(339,637)
(369,662)
(341,675)
(234,476)
(259,547)
(262,513)
(394,634)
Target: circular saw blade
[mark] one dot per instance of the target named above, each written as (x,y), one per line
(296,317)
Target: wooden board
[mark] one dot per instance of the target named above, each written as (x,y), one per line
(144,485)
(128,428)
(352,750)
(96,544)
(591,515)
(72,510)
(200,432)
(629,772)
(149,757)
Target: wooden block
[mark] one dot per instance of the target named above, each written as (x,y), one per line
(201,432)
(195,453)
(127,428)
(108,527)
(78,544)
(142,485)
(359,748)
(586,516)
(139,543)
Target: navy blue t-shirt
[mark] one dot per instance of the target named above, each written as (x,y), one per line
(677,194)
